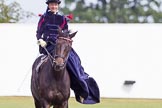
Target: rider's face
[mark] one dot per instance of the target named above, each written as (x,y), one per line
(53,7)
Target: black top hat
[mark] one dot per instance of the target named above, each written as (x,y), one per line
(55,1)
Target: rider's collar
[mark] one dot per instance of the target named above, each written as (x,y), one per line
(53,12)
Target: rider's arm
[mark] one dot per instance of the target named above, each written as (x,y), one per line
(64,25)
(40,28)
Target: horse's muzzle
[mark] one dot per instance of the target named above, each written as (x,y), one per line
(59,64)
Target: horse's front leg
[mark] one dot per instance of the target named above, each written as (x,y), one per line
(45,104)
(64,105)
(37,103)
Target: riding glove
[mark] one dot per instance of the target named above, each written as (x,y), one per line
(42,43)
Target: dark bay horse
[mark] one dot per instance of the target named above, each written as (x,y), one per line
(50,86)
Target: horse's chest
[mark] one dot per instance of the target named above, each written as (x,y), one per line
(57,96)
(53,90)
(56,91)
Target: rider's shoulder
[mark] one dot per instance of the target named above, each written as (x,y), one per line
(59,15)
(68,17)
(42,15)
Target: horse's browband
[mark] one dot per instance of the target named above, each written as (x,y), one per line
(66,39)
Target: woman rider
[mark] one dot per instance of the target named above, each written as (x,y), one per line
(85,88)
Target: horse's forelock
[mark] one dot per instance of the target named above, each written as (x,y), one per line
(63,33)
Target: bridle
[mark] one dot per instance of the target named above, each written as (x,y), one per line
(67,39)
(53,58)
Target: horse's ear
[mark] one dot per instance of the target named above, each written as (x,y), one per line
(73,34)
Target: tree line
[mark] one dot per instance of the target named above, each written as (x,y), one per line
(12,12)
(101,11)
(115,11)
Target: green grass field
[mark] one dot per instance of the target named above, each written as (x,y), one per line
(27,102)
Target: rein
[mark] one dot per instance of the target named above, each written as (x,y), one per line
(50,56)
